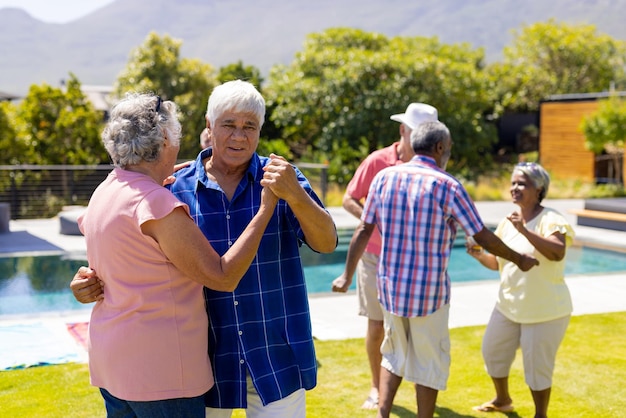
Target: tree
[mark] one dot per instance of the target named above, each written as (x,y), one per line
(11,150)
(334,100)
(79,125)
(55,126)
(238,71)
(551,58)
(605,131)
(156,66)
(59,126)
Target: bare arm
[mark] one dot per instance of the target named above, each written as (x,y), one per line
(187,248)
(495,246)
(486,259)
(357,246)
(353,206)
(552,247)
(317,224)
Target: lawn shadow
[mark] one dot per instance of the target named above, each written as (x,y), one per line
(402,412)
(449,413)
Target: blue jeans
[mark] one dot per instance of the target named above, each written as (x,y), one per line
(168,408)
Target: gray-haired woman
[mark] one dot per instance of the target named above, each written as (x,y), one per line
(533,307)
(148,334)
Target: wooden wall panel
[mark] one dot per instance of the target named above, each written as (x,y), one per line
(561,143)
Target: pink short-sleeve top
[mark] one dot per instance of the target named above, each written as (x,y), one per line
(148,338)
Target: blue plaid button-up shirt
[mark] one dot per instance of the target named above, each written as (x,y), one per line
(264,326)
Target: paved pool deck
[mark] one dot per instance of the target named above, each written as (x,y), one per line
(334,316)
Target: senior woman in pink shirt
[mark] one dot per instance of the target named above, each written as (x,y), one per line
(148,335)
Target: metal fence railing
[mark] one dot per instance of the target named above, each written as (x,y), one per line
(41,191)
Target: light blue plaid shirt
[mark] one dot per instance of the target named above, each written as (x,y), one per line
(417,207)
(264,326)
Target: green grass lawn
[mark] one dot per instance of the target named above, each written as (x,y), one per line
(589,381)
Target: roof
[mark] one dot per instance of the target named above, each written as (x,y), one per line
(4,96)
(99,96)
(583,96)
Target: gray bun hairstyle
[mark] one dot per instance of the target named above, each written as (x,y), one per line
(138,127)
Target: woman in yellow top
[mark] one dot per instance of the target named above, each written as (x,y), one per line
(533,307)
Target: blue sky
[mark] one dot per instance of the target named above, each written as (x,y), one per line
(56,11)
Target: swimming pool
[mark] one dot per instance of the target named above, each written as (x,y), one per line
(36,284)
(464,268)
(32,285)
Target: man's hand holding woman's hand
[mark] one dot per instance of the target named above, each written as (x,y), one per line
(86,286)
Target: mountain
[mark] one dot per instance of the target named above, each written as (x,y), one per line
(262,32)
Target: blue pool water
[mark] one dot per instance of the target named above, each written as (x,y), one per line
(41,284)
(464,268)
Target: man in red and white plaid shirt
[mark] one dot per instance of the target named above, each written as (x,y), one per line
(417,207)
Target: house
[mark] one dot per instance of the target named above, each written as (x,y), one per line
(7,97)
(562,144)
(99,96)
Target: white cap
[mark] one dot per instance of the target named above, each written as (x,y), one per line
(416,114)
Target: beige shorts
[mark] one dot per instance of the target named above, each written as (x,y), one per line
(418,348)
(291,406)
(366,289)
(539,343)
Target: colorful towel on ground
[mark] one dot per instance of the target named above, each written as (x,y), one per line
(36,344)
(79,330)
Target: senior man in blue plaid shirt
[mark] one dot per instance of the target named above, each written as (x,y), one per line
(417,207)
(260,339)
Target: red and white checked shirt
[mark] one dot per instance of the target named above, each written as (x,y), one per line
(417,207)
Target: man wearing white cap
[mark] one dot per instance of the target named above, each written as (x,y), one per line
(397,153)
